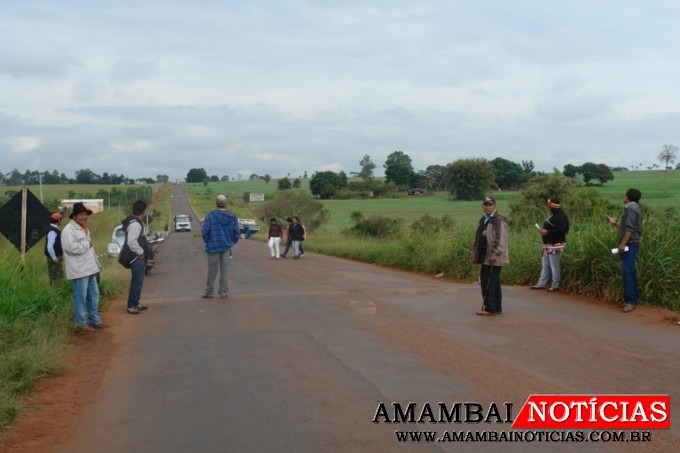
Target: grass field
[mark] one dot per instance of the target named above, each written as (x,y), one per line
(659,188)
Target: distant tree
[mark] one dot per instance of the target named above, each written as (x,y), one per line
(304,175)
(254,177)
(87,176)
(603,173)
(508,173)
(469,179)
(320,180)
(225,178)
(105,178)
(267,178)
(205,182)
(434,175)
(398,168)
(570,170)
(284,184)
(367,167)
(296,183)
(528,166)
(592,171)
(589,172)
(162,179)
(118,179)
(52,178)
(196,175)
(214,178)
(13,178)
(668,154)
(31,177)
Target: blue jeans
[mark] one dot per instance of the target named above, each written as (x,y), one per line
(215,261)
(137,269)
(289,242)
(86,296)
(551,265)
(630,286)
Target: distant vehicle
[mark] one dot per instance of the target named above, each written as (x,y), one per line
(250,223)
(182,222)
(117,241)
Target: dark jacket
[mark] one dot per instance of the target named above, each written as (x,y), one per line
(275,230)
(297,232)
(58,251)
(557,226)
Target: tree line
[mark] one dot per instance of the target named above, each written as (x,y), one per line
(82,176)
(465,179)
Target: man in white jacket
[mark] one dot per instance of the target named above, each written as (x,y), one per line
(82,268)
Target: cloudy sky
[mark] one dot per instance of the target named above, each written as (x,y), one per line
(152,87)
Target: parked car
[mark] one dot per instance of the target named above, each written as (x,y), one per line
(117,241)
(250,223)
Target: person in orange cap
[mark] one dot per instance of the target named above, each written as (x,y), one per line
(53,250)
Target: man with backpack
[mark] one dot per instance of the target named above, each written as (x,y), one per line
(136,241)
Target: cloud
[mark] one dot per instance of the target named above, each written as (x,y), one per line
(22,145)
(41,59)
(160,87)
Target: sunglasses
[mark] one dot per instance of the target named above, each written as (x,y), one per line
(488,203)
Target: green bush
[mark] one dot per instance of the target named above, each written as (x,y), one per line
(377,227)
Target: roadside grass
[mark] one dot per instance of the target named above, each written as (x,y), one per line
(35,318)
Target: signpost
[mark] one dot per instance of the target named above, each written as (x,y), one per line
(24,221)
(256,197)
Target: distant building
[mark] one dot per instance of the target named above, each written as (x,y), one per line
(96,205)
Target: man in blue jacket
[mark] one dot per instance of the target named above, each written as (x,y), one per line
(220,232)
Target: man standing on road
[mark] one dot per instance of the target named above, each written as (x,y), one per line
(138,244)
(630,233)
(82,268)
(490,249)
(220,232)
(53,250)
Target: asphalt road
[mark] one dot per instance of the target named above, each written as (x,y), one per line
(301,354)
